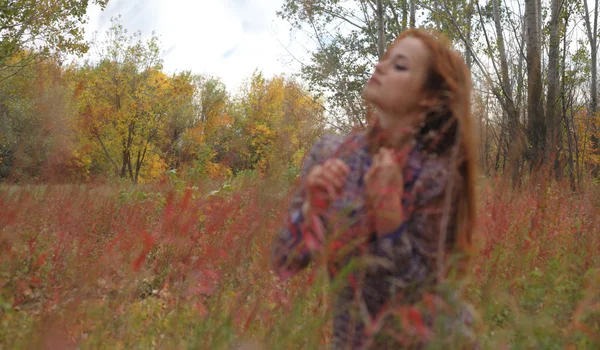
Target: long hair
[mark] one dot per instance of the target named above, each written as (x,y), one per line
(447,124)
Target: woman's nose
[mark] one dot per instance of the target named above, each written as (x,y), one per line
(379,67)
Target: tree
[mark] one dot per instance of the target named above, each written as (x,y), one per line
(124,101)
(504,47)
(213,102)
(38,140)
(348,43)
(183,117)
(276,121)
(41,28)
(350,37)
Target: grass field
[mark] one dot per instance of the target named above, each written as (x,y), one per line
(171,266)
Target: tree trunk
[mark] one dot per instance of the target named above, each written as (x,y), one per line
(592,34)
(512,114)
(594,89)
(112,161)
(123,173)
(594,51)
(563,94)
(551,99)
(536,125)
(505,79)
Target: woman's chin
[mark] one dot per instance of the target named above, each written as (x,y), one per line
(368,94)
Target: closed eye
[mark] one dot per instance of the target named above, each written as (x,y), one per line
(399,67)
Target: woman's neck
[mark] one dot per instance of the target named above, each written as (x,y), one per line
(397,130)
(391,121)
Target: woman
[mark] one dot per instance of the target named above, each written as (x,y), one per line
(393,207)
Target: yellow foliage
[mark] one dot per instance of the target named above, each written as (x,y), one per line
(154,169)
(298,158)
(218,171)
(280,119)
(192,140)
(126,104)
(79,164)
(215,123)
(587,127)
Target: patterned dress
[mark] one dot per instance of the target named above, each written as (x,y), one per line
(381,273)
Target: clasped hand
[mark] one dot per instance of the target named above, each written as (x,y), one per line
(384,184)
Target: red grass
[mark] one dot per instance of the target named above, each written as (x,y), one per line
(69,250)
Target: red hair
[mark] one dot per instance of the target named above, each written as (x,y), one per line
(446,125)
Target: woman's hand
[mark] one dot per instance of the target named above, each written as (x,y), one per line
(324,183)
(384,184)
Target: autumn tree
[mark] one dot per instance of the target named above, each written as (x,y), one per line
(124,101)
(213,102)
(206,144)
(183,117)
(276,122)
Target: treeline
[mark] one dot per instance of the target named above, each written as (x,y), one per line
(534,66)
(120,115)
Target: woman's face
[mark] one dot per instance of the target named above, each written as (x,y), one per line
(396,86)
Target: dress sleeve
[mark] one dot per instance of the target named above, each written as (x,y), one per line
(411,251)
(295,243)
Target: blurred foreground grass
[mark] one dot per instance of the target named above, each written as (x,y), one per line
(174,266)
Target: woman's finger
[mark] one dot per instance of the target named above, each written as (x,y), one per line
(340,167)
(331,177)
(331,191)
(324,183)
(329,163)
(314,174)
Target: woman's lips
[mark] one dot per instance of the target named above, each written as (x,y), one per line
(373,80)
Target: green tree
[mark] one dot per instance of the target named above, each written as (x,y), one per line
(37,133)
(42,28)
(349,38)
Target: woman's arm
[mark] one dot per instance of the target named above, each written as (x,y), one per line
(413,245)
(301,234)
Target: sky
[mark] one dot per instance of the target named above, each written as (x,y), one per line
(224,38)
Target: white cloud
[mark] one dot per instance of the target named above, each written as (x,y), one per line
(226,38)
